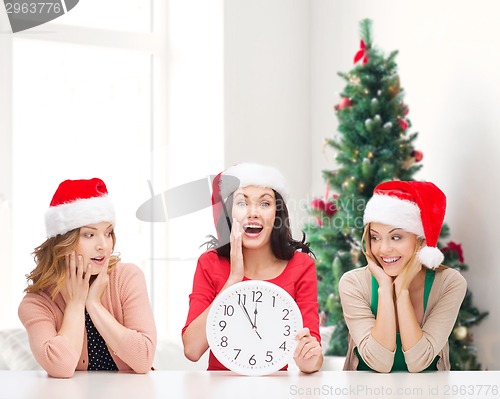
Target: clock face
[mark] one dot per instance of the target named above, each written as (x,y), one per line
(251,327)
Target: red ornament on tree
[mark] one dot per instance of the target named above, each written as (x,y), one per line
(403,123)
(330,208)
(343,103)
(318,205)
(418,155)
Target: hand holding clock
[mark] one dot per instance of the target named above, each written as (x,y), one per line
(308,354)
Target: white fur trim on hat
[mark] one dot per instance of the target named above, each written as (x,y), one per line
(395,212)
(256,175)
(66,217)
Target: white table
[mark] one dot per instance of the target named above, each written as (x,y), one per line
(221,385)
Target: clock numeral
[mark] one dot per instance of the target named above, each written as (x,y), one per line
(274,301)
(283,346)
(252,361)
(242,299)
(257,295)
(223,341)
(287,332)
(222,325)
(238,350)
(228,310)
(287,312)
(269,356)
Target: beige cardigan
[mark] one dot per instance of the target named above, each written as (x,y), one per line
(446,296)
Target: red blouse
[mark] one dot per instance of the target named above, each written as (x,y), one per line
(298,279)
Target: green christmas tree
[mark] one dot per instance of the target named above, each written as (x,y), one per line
(374,146)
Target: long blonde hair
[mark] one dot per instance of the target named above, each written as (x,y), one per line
(50,258)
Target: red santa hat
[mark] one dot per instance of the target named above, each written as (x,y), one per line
(416,207)
(243,175)
(77,203)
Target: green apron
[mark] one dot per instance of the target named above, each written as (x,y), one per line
(399,358)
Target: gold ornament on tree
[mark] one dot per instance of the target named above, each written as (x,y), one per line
(394,87)
(460,333)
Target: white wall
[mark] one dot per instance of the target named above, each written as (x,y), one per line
(448,64)
(266,90)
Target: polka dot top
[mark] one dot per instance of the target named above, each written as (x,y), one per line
(99,356)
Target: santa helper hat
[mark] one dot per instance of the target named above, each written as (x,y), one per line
(416,207)
(243,175)
(78,203)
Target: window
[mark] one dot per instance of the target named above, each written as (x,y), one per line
(123,91)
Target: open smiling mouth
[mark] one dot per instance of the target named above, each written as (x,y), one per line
(390,260)
(252,228)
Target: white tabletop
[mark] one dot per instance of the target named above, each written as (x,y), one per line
(221,385)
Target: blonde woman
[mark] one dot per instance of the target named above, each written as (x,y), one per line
(401,308)
(83,308)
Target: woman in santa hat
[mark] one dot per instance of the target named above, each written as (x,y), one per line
(83,308)
(401,308)
(254,242)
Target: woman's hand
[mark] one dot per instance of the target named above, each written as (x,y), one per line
(404,279)
(76,286)
(308,354)
(236,256)
(383,279)
(99,285)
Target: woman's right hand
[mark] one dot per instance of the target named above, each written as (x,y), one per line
(236,256)
(76,287)
(378,272)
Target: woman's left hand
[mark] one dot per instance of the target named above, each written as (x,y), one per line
(308,352)
(99,285)
(404,279)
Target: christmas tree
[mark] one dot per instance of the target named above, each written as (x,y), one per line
(374,145)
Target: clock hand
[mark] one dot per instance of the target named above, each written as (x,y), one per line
(255,321)
(246,313)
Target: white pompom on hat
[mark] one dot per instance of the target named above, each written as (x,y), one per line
(416,207)
(78,203)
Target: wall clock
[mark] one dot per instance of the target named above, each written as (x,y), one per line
(251,327)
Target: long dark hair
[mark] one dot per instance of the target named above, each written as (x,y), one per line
(282,243)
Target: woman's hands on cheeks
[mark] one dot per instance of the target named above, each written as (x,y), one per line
(308,354)
(76,286)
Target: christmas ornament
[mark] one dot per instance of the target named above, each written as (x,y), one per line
(460,333)
(394,87)
(318,205)
(330,208)
(343,103)
(417,155)
(403,123)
